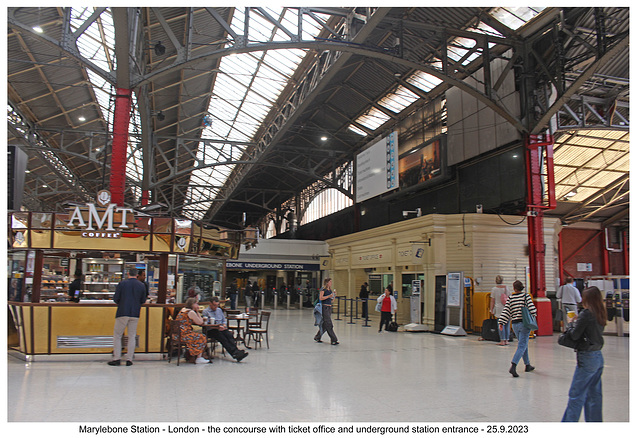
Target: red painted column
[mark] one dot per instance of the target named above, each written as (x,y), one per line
(606,269)
(119,145)
(539,148)
(625,251)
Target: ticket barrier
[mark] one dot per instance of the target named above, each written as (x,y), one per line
(617,305)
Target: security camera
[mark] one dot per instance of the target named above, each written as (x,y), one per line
(405,213)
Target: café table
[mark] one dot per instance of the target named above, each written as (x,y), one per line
(241,328)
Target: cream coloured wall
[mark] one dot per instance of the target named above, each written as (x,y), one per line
(480,245)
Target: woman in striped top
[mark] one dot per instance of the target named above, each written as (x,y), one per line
(513,310)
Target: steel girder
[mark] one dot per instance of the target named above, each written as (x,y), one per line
(345,41)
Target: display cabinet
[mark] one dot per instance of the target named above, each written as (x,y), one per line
(101,276)
(54,287)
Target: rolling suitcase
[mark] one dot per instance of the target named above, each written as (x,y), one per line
(490,330)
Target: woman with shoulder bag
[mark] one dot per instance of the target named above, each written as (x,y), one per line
(326,299)
(586,386)
(513,311)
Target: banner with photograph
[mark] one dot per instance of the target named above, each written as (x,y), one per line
(421,164)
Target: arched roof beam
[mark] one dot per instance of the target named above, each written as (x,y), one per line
(355,49)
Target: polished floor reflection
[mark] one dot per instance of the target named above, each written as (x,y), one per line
(368,377)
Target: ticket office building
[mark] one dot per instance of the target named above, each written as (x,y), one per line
(426,249)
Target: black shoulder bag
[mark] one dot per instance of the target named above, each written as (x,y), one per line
(566,340)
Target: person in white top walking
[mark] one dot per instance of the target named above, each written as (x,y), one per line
(499,296)
(569,297)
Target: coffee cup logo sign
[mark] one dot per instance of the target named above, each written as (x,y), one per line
(100,224)
(182,243)
(103,198)
(19,237)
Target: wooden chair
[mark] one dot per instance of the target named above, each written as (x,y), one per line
(175,340)
(254,318)
(261,332)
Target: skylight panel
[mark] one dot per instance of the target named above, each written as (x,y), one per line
(357,130)
(460,47)
(399,100)
(97,42)
(247,86)
(373,119)
(515,17)
(424,81)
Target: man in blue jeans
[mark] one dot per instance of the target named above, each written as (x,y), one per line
(130,295)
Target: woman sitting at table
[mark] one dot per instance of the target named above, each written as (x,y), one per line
(195,342)
(221,333)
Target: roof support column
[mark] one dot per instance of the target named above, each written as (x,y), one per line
(539,147)
(119,145)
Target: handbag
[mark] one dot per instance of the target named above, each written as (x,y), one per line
(566,340)
(378,307)
(528,319)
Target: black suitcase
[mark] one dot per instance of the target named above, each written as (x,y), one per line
(393,326)
(490,330)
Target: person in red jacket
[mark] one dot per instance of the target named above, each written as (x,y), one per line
(388,307)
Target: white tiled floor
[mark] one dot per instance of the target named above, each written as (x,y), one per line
(369,377)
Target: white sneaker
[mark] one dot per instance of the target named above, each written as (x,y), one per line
(201,360)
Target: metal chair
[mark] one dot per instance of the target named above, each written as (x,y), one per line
(261,332)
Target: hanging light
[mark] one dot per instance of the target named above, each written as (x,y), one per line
(37,28)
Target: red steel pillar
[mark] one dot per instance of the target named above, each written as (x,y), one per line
(119,145)
(539,162)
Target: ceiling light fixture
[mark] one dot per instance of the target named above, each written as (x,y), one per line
(324,138)
(82,118)
(37,28)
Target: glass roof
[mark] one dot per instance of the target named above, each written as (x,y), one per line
(401,98)
(246,88)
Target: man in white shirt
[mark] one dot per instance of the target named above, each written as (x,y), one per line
(569,297)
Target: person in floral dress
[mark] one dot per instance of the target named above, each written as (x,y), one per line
(195,342)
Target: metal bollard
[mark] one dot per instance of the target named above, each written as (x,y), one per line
(351,312)
(366,319)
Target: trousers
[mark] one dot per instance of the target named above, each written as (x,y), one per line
(522,352)
(131,324)
(226,339)
(586,388)
(385,319)
(327,325)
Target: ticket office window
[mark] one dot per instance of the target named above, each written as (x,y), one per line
(378,282)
